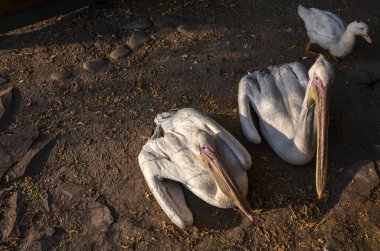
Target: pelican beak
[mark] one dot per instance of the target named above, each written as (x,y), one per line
(322,112)
(367,38)
(225,182)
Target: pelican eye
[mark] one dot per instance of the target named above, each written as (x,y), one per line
(203,147)
(362,28)
(316,78)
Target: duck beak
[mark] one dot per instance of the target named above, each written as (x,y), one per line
(322,112)
(367,38)
(225,182)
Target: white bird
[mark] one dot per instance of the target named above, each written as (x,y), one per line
(292,110)
(331,32)
(190,148)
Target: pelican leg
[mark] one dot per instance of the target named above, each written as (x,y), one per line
(308,49)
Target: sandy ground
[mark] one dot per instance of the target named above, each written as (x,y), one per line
(72,179)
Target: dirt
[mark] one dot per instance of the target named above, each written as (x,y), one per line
(85,191)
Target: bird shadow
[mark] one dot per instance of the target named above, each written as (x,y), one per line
(47,34)
(210,217)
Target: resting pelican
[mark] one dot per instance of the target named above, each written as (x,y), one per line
(292,111)
(331,32)
(190,148)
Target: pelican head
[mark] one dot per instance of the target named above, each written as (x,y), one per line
(321,76)
(220,174)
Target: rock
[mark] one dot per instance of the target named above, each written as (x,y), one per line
(359,77)
(15,144)
(166,21)
(362,183)
(101,216)
(61,75)
(9,219)
(189,29)
(6,103)
(140,24)
(25,166)
(137,39)
(120,51)
(95,65)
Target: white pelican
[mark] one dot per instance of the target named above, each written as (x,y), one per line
(190,148)
(331,32)
(292,111)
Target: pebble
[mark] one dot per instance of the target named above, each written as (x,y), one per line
(94,65)
(189,29)
(166,21)
(137,39)
(61,75)
(140,24)
(120,51)
(101,216)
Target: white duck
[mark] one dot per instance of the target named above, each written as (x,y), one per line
(292,112)
(331,32)
(190,148)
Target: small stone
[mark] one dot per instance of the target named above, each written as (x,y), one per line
(165,21)
(61,75)
(140,24)
(95,65)
(359,77)
(137,39)
(189,29)
(101,216)
(120,51)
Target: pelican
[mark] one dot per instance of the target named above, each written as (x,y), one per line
(331,32)
(190,148)
(292,110)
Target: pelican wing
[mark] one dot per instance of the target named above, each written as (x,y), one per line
(155,166)
(321,25)
(276,95)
